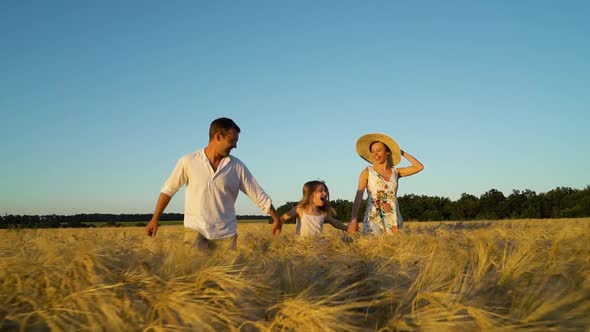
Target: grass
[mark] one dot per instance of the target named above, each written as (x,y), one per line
(511,276)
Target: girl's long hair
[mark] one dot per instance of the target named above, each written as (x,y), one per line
(306,202)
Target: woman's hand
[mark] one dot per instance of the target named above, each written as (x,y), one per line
(353,227)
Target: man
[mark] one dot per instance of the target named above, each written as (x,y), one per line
(213,180)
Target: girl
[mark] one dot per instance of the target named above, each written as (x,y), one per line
(380,180)
(313,210)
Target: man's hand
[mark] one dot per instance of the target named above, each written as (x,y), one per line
(152,228)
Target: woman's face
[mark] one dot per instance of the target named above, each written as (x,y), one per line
(320,196)
(379,152)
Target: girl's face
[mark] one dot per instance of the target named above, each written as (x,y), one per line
(320,196)
(379,152)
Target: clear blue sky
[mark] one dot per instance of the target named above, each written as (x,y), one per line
(99,99)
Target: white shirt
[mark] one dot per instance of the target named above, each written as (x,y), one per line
(210,196)
(309,224)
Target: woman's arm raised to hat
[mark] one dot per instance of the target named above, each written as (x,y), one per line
(360,191)
(410,170)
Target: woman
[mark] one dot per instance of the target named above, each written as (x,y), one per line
(381,181)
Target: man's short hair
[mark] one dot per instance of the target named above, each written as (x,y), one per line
(223,125)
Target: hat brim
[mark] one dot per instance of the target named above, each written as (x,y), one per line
(364,142)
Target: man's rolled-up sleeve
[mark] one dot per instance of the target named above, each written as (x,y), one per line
(177,179)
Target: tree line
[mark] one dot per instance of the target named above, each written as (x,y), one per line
(87,220)
(561,202)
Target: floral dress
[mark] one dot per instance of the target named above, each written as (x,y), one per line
(382,215)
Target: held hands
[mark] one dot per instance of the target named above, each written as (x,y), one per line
(276,227)
(353,227)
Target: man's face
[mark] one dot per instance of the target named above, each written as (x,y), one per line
(228,142)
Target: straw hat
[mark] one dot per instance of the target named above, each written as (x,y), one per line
(363,143)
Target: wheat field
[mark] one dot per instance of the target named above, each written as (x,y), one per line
(531,275)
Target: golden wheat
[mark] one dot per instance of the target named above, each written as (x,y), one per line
(531,275)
